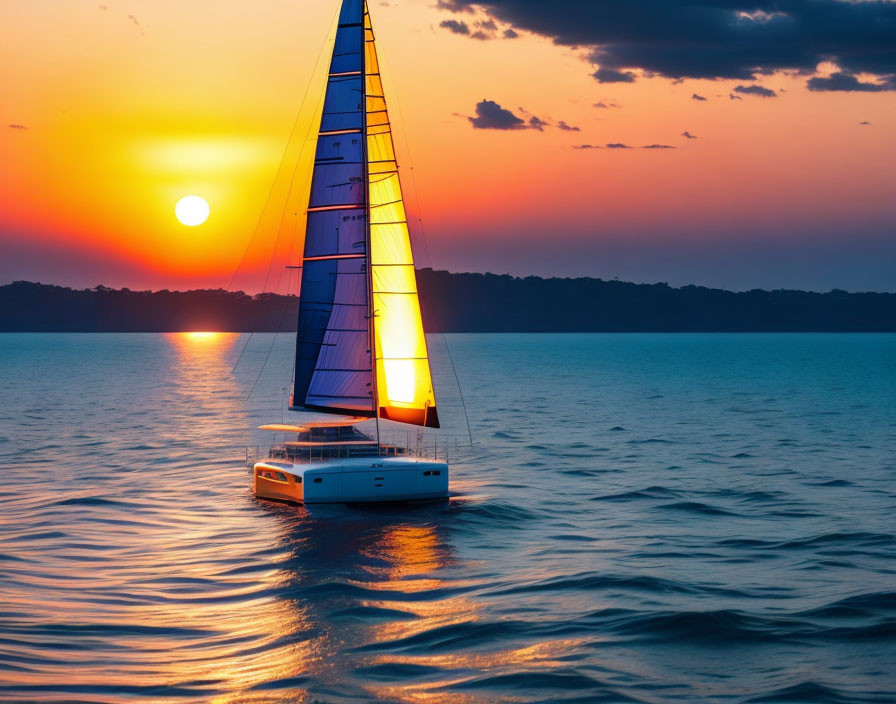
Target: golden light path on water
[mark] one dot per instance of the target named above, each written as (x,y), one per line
(178,588)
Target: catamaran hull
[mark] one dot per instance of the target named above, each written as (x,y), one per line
(362,480)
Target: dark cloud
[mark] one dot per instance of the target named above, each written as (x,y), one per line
(491,116)
(487,25)
(714,39)
(658,146)
(618,145)
(455,26)
(586,146)
(688,135)
(611,75)
(864,122)
(848,82)
(18,127)
(605,105)
(481,36)
(510,34)
(697,97)
(761,91)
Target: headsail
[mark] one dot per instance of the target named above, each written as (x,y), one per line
(360,346)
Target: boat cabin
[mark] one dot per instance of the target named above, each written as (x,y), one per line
(327,440)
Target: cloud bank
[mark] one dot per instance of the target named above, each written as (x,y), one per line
(715,39)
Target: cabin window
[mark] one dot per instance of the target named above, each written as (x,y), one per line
(270,474)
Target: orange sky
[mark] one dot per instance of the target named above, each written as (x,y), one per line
(128,108)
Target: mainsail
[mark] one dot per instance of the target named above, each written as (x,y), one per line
(360,347)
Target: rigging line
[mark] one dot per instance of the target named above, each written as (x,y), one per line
(271,265)
(294,254)
(295,124)
(273,341)
(280,231)
(404,135)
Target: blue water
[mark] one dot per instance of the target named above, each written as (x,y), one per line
(644,518)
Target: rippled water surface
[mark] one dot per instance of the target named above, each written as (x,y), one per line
(644,518)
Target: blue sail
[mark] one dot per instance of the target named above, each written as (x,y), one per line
(334,365)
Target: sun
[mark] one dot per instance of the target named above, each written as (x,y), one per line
(192,210)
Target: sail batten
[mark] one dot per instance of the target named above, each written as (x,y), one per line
(361,347)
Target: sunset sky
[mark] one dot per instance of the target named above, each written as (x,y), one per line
(771,127)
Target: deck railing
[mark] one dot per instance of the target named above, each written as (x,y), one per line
(393,443)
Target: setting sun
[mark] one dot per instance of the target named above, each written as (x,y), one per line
(192,210)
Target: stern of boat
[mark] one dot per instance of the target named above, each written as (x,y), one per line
(350,481)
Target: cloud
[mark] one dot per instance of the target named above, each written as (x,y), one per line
(732,96)
(620,145)
(455,26)
(17,127)
(491,116)
(688,135)
(864,122)
(481,29)
(611,75)
(697,97)
(723,39)
(842,81)
(605,105)
(452,6)
(761,91)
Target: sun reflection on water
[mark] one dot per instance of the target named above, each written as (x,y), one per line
(200,336)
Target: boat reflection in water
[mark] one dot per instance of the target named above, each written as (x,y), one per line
(361,577)
(378,594)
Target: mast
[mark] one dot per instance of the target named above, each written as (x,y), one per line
(371,313)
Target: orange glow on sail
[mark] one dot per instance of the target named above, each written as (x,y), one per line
(403,377)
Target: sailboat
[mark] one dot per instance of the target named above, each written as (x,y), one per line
(361,351)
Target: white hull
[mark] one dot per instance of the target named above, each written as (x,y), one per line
(351,480)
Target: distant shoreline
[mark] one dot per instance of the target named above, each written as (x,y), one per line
(462,303)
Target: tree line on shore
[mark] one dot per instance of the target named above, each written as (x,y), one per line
(462,303)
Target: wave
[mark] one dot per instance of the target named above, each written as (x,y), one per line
(816,693)
(651,492)
(696,508)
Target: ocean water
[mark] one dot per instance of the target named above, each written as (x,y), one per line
(642,518)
